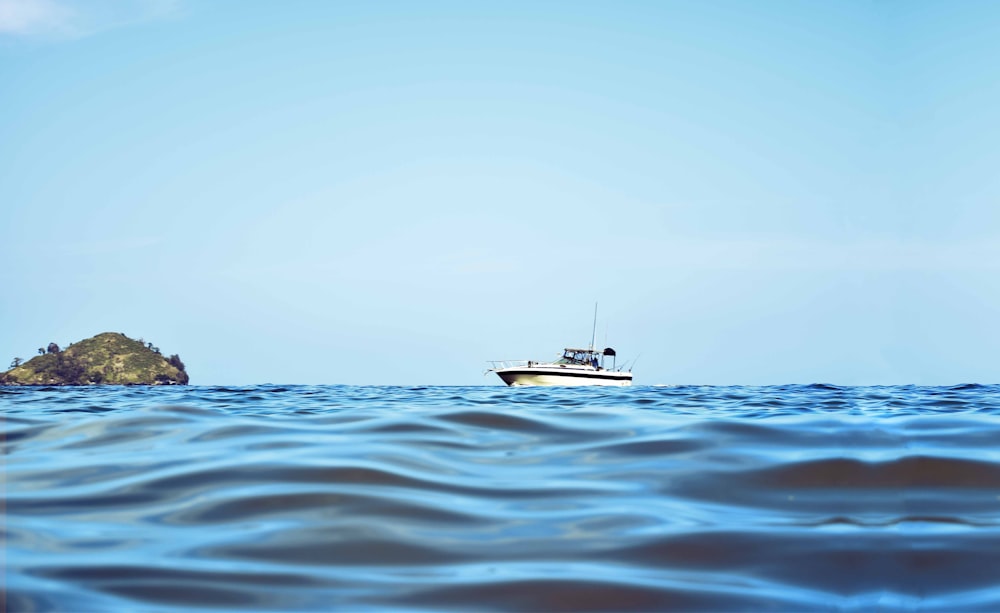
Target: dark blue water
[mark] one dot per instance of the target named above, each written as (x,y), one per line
(510,499)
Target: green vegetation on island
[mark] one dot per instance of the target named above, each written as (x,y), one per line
(110,358)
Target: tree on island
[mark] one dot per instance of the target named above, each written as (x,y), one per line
(175,361)
(53,348)
(69,369)
(41,351)
(16,362)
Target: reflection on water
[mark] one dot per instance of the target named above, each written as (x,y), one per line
(365,498)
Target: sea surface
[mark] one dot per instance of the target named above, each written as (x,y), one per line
(286,498)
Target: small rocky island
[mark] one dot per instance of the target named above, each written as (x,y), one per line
(110,358)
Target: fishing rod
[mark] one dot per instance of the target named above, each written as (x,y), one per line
(593,335)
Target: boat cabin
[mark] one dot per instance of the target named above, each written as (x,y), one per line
(586,357)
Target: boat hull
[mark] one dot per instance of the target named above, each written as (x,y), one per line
(516,377)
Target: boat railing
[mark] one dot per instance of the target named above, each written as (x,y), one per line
(498,364)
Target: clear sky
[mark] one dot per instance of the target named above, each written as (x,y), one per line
(396,192)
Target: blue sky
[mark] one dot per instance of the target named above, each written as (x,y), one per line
(394,193)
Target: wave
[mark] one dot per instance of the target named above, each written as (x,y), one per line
(436,498)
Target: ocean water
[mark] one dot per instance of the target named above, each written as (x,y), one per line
(502,499)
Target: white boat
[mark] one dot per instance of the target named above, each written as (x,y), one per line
(575,367)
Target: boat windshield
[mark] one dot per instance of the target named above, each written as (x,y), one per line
(573,356)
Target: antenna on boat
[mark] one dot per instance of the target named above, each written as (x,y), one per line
(593,336)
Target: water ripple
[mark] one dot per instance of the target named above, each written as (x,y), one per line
(685,498)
